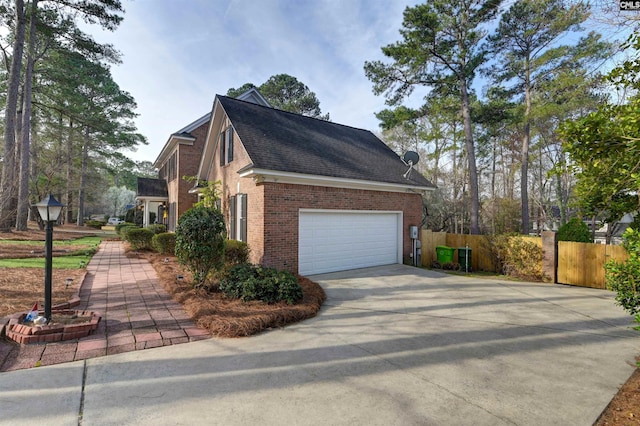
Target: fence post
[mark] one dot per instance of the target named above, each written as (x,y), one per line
(550,256)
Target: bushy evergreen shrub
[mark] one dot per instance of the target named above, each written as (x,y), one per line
(139,238)
(515,256)
(575,230)
(164,243)
(255,282)
(157,228)
(97,224)
(624,277)
(236,252)
(130,215)
(200,238)
(124,230)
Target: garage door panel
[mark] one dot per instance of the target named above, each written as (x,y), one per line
(334,241)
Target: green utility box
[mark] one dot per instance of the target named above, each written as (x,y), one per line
(444,254)
(464,258)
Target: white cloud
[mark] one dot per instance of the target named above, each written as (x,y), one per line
(178,54)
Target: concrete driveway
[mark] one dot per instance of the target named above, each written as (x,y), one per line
(393,346)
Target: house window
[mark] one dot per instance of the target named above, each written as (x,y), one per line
(170,168)
(226,146)
(238,217)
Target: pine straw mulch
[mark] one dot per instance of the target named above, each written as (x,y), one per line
(624,408)
(20,288)
(231,318)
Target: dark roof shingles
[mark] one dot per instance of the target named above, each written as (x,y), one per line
(282,141)
(149,187)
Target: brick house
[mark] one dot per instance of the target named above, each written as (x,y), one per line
(306,195)
(168,197)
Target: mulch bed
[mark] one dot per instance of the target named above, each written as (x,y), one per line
(624,408)
(231,318)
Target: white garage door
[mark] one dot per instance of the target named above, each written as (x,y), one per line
(337,240)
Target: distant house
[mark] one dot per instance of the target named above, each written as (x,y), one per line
(307,195)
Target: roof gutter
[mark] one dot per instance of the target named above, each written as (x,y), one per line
(263,175)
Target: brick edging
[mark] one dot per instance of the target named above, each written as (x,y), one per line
(25,334)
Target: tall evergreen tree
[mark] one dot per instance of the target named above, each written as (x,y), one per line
(528,48)
(287,93)
(441,46)
(17,120)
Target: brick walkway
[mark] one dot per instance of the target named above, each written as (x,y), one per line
(136,314)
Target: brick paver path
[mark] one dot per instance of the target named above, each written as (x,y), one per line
(137,313)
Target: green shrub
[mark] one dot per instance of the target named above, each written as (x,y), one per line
(139,238)
(130,215)
(513,255)
(164,243)
(255,282)
(236,252)
(200,237)
(138,217)
(97,224)
(157,228)
(575,230)
(624,277)
(123,228)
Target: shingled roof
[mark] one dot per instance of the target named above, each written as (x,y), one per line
(282,141)
(149,187)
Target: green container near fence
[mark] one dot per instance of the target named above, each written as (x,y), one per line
(444,254)
(464,258)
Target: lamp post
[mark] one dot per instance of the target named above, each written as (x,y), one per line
(49,210)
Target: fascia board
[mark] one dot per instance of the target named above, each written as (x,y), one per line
(263,175)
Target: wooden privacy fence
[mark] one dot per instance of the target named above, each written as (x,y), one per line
(580,264)
(480,255)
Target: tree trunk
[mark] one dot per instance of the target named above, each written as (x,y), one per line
(474,227)
(524,166)
(69,189)
(83,176)
(25,151)
(7,182)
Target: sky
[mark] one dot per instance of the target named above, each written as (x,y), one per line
(178,54)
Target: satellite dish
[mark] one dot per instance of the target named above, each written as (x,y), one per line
(410,158)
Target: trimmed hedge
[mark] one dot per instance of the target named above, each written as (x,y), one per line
(256,282)
(157,228)
(236,252)
(164,243)
(97,224)
(120,228)
(139,238)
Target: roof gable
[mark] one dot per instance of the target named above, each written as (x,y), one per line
(181,136)
(282,141)
(254,96)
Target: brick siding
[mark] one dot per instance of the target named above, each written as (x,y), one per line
(273,208)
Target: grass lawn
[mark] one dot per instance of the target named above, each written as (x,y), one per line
(22,268)
(59,262)
(22,249)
